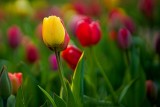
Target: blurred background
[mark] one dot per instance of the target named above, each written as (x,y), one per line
(22,48)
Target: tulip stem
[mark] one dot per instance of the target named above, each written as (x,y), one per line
(105,77)
(4,102)
(61,74)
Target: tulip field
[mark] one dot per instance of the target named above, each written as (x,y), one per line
(79,53)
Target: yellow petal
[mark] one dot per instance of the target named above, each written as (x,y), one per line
(53,31)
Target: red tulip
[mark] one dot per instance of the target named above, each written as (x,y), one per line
(124,38)
(95,8)
(157,43)
(80,8)
(147,7)
(14,36)
(71,55)
(16,81)
(151,90)
(88,32)
(32,54)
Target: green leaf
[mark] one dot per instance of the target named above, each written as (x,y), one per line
(20,101)
(48,96)
(71,100)
(59,102)
(1,102)
(77,83)
(125,90)
(11,101)
(45,104)
(135,94)
(5,84)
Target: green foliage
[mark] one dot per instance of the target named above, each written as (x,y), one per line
(48,96)
(77,82)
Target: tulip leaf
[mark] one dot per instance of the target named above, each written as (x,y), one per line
(1,102)
(77,83)
(45,104)
(59,102)
(125,90)
(138,88)
(71,100)
(20,101)
(11,101)
(48,96)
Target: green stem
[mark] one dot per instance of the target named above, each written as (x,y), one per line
(105,77)
(126,56)
(23,100)
(61,74)
(4,102)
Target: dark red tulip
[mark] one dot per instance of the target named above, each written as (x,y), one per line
(14,36)
(151,90)
(32,54)
(71,55)
(147,7)
(95,8)
(157,43)
(124,38)
(88,32)
(80,8)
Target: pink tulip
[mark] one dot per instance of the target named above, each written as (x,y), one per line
(14,36)
(53,62)
(124,38)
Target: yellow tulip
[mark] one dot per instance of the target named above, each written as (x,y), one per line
(53,32)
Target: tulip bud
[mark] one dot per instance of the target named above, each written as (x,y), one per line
(151,90)
(115,18)
(54,33)
(32,54)
(80,8)
(16,81)
(95,8)
(124,38)
(71,55)
(88,32)
(147,7)
(5,85)
(53,62)
(14,36)
(22,8)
